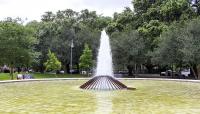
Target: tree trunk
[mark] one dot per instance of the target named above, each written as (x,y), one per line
(11,72)
(194,70)
(130,70)
(172,71)
(68,68)
(149,68)
(77,66)
(87,72)
(135,70)
(42,68)
(64,68)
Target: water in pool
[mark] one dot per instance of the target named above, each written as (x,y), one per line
(151,97)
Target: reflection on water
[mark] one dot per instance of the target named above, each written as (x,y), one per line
(104,102)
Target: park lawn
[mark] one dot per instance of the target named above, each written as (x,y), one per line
(6,76)
(39,75)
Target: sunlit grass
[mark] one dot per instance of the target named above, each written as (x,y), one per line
(150,97)
(6,76)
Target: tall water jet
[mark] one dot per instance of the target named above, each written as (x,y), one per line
(104,59)
(104,78)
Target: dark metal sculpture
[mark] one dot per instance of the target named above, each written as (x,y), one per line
(103,83)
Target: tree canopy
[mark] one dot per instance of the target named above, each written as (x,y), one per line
(16,44)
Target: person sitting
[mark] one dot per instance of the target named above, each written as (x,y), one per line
(20,77)
(24,76)
(28,76)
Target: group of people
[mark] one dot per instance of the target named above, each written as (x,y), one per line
(24,76)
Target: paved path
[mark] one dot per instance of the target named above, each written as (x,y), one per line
(54,79)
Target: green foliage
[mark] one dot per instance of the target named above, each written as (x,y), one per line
(127,48)
(152,19)
(151,31)
(16,44)
(173,9)
(164,11)
(191,41)
(141,6)
(86,58)
(180,45)
(56,32)
(169,50)
(121,21)
(52,63)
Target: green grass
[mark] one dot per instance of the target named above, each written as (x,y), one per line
(6,76)
(64,96)
(39,75)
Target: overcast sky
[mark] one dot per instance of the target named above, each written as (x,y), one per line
(33,9)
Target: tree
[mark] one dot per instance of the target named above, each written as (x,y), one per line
(122,21)
(16,45)
(57,31)
(150,32)
(128,50)
(151,18)
(180,45)
(141,6)
(86,58)
(34,26)
(169,51)
(52,63)
(48,16)
(191,49)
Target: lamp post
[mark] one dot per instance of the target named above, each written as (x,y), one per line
(71,65)
(74,31)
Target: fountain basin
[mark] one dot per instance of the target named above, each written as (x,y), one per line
(157,96)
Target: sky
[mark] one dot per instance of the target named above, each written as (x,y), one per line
(33,9)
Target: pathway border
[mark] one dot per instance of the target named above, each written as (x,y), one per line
(57,79)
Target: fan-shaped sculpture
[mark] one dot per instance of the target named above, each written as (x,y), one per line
(103,83)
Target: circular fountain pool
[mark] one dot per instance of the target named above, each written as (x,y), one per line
(64,96)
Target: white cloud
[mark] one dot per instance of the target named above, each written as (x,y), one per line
(33,9)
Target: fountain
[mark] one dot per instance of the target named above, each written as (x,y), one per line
(104,77)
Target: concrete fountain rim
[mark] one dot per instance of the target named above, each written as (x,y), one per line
(59,79)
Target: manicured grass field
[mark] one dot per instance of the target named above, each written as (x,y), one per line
(64,96)
(6,76)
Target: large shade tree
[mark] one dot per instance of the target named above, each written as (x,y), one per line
(128,50)
(16,45)
(169,51)
(180,46)
(191,41)
(56,32)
